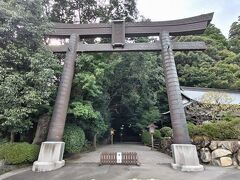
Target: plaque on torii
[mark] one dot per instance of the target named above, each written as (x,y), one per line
(117,31)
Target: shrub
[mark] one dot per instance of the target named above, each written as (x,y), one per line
(157,134)
(74,138)
(146,137)
(18,153)
(166,131)
(88,146)
(195,130)
(218,130)
(222,130)
(3,140)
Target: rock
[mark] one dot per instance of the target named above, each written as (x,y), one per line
(235,163)
(207,141)
(213,145)
(216,162)
(232,146)
(226,161)
(238,167)
(196,140)
(220,153)
(238,156)
(201,141)
(42,129)
(205,155)
(165,145)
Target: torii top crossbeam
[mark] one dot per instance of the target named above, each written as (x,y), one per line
(118,30)
(187,26)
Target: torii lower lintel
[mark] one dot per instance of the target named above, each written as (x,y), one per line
(132,47)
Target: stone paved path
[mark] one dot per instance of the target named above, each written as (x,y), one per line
(154,165)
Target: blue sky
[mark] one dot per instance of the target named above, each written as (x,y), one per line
(225,11)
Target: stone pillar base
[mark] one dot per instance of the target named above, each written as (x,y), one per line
(50,157)
(185,158)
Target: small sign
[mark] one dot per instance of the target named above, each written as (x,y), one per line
(112,131)
(119,157)
(152,128)
(118,33)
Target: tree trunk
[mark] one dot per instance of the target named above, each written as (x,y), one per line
(111,139)
(12,137)
(152,141)
(95,141)
(42,129)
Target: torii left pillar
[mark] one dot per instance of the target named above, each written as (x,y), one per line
(51,152)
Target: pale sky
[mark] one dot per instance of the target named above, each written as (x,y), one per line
(225,11)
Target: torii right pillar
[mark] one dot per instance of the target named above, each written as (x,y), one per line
(184,153)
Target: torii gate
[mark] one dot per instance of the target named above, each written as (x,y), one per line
(184,154)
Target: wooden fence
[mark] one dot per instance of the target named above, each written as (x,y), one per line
(127,158)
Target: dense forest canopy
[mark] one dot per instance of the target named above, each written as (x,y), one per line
(109,89)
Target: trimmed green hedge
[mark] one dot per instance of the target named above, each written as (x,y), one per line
(166,132)
(18,153)
(74,138)
(218,130)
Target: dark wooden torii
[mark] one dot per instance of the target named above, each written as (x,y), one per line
(184,154)
(118,30)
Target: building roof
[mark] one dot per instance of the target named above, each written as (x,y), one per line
(197,93)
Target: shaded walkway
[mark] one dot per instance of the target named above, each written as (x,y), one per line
(153,165)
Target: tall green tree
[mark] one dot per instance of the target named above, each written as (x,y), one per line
(234,37)
(92,91)
(27,79)
(217,67)
(62,11)
(119,9)
(78,11)
(88,100)
(90,11)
